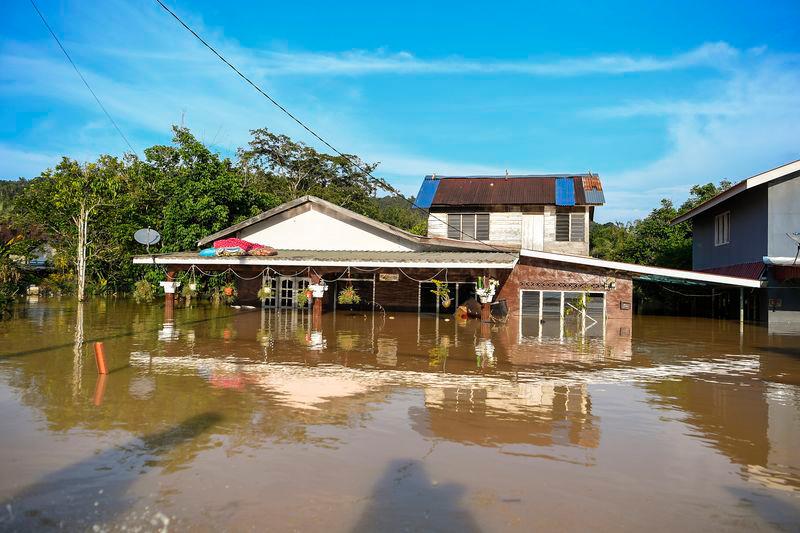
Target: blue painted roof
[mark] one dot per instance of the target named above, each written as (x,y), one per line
(426,192)
(565,191)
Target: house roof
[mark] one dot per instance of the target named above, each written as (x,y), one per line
(343,258)
(746,184)
(432,243)
(549,189)
(645,272)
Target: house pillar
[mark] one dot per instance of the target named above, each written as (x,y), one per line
(741,305)
(486,312)
(316,304)
(169,289)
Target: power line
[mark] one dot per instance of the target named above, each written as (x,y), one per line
(381,182)
(86,83)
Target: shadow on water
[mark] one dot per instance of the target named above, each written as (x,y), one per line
(773,510)
(93,491)
(791,351)
(405,499)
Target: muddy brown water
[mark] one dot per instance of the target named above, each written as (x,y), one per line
(226,419)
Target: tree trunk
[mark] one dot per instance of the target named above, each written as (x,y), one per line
(83,226)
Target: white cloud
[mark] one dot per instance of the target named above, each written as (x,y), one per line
(752,125)
(269,63)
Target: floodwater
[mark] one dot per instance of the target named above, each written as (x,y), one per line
(226,419)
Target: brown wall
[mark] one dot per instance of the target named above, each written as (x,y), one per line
(530,273)
(542,275)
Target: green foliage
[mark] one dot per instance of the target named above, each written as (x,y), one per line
(653,240)
(349,296)
(265,292)
(442,291)
(143,292)
(301,298)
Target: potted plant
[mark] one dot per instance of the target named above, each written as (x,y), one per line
(442,292)
(189,290)
(302,298)
(349,296)
(486,290)
(229,293)
(264,293)
(318,289)
(143,291)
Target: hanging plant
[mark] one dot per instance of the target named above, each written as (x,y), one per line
(264,293)
(143,292)
(190,290)
(442,291)
(229,293)
(302,298)
(349,296)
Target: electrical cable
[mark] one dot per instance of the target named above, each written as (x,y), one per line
(86,83)
(379,181)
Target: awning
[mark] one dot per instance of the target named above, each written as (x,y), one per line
(644,272)
(342,258)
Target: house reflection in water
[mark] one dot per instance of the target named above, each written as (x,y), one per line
(539,414)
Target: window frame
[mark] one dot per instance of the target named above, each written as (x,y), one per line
(722,228)
(464,235)
(562,293)
(571,215)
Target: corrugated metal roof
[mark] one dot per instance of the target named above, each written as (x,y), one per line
(565,191)
(338,258)
(743,270)
(507,190)
(426,192)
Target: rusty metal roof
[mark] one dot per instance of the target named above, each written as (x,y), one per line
(742,270)
(511,190)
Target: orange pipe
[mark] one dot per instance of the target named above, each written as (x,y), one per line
(100,390)
(100,358)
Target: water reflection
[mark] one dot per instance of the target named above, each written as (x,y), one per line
(331,389)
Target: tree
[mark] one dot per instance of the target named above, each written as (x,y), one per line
(187,192)
(65,200)
(653,240)
(292,169)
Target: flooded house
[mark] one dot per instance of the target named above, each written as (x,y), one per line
(519,243)
(752,230)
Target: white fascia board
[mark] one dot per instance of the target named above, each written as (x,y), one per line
(643,269)
(252,261)
(749,183)
(781,261)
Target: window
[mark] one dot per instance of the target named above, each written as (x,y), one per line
(570,226)
(722,229)
(577,229)
(468,226)
(556,313)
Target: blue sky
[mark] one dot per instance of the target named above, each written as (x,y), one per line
(654,96)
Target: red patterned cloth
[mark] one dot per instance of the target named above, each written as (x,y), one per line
(233,242)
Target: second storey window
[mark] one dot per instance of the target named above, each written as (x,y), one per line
(468,226)
(722,229)
(570,226)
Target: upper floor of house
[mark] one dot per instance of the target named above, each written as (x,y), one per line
(747,222)
(548,213)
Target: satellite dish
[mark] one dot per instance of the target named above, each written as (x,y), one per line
(147,237)
(796,238)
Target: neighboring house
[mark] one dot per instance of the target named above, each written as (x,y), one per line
(743,232)
(549,213)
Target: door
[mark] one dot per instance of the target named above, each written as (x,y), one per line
(533,231)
